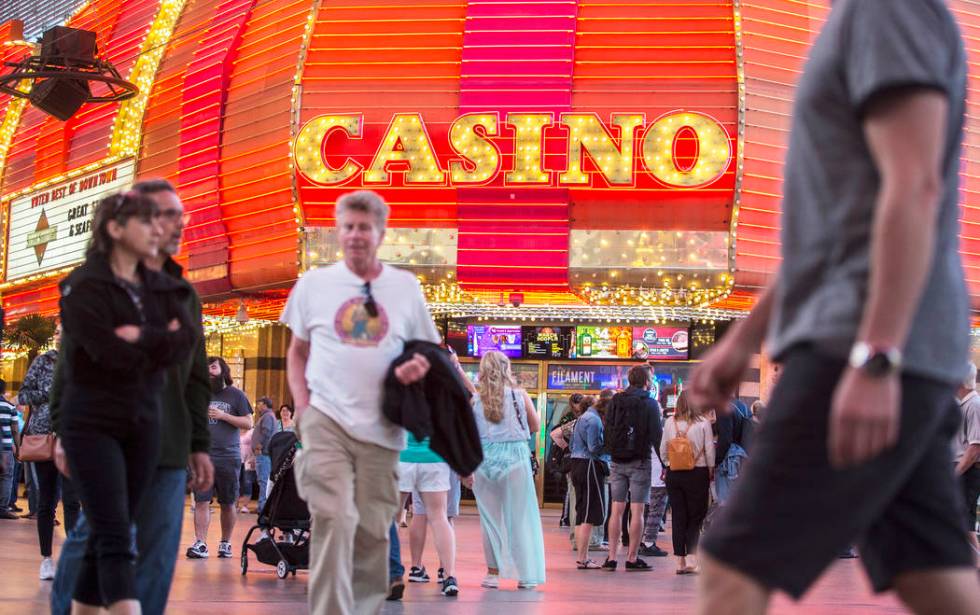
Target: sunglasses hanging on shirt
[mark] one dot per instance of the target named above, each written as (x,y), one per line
(369,304)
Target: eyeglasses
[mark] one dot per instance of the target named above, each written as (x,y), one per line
(369,305)
(175,215)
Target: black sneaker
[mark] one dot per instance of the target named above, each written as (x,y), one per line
(418,575)
(638,565)
(652,551)
(610,565)
(6,514)
(396,589)
(442,575)
(449,587)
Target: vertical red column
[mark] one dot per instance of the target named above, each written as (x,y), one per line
(203,106)
(517,57)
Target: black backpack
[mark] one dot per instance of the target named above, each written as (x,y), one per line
(628,428)
(559,460)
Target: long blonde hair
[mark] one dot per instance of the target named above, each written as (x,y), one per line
(495,375)
(685,411)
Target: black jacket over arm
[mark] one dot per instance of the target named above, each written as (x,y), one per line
(438,407)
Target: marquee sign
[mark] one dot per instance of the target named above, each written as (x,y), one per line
(49,229)
(680,149)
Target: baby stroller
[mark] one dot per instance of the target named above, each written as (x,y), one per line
(284,521)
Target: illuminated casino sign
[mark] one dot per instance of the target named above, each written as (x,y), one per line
(680,149)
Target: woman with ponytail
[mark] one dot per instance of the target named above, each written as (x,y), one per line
(513,542)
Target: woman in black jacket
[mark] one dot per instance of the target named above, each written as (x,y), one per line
(125,325)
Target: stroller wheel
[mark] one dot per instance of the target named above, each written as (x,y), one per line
(282,569)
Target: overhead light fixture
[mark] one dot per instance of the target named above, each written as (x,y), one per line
(242,315)
(62,72)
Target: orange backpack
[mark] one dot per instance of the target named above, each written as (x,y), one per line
(680,451)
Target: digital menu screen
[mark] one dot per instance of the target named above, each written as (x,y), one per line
(603,343)
(664,343)
(546,342)
(483,338)
(572,377)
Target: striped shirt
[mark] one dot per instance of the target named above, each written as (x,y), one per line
(8,418)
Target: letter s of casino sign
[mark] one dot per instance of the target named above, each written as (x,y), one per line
(482,142)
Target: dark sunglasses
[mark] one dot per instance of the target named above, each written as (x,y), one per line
(369,305)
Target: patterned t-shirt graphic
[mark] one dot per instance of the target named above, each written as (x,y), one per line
(355,326)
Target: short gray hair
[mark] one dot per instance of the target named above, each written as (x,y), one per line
(366,201)
(970,380)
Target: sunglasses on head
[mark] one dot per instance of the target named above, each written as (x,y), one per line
(369,304)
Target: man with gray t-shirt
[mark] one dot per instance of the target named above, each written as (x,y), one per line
(228,414)
(869,317)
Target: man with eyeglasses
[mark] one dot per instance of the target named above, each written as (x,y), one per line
(185,441)
(350,321)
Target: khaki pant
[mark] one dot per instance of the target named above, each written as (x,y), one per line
(351,488)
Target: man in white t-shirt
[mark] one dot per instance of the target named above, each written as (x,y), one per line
(350,321)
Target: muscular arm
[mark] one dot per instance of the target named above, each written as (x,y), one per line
(905,132)
(241,422)
(906,135)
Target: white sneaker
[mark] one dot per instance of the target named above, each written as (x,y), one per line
(491,581)
(47,569)
(198,550)
(224,549)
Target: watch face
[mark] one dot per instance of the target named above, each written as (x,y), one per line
(878,364)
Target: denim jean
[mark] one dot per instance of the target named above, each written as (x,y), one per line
(158,526)
(263,468)
(6,476)
(395,569)
(14,484)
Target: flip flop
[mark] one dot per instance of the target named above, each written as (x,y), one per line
(693,570)
(681,571)
(588,565)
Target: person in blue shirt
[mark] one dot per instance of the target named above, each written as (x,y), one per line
(588,474)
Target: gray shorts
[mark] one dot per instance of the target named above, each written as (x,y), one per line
(630,477)
(225,486)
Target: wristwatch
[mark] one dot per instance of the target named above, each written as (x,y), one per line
(875,361)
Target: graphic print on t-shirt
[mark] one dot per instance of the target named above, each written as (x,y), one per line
(355,326)
(219,405)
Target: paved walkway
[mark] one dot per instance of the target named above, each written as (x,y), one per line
(216,586)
